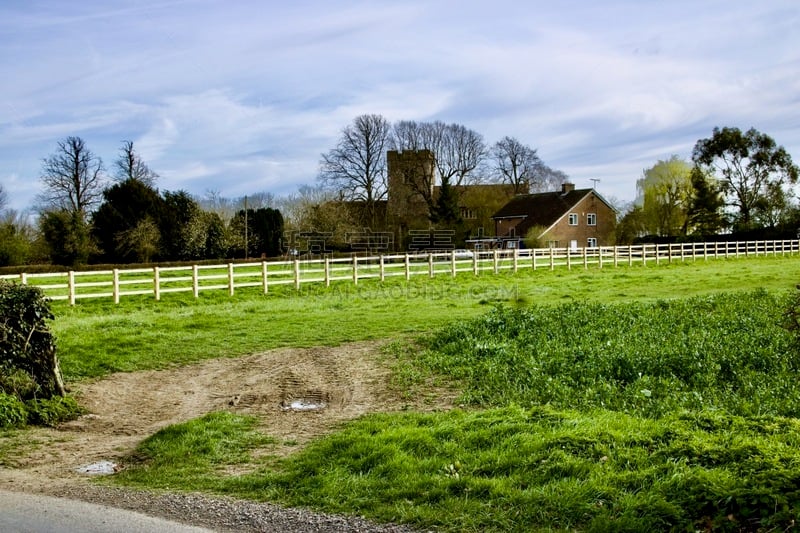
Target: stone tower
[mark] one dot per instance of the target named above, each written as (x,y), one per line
(411,179)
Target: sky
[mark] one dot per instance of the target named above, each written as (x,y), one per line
(242,97)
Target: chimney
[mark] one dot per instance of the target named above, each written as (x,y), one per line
(567,187)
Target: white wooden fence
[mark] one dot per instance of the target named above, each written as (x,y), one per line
(156,281)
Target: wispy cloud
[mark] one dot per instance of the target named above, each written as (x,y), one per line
(243,97)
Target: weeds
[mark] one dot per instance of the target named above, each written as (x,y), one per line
(719,352)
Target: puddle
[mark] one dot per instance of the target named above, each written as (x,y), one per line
(100,468)
(303,405)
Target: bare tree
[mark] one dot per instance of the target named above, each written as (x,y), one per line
(129,165)
(216,203)
(520,166)
(515,163)
(356,168)
(258,200)
(548,179)
(457,151)
(72,178)
(296,206)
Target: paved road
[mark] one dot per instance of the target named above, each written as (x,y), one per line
(26,513)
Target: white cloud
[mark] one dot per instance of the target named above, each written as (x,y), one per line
(245,96)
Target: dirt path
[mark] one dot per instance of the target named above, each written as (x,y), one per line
(297,394)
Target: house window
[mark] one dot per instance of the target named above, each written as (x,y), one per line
(552,244)
(468,214)
(591,242)
(591,219)
(573,219)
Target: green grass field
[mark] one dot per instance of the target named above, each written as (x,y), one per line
(97,337)
(629,399)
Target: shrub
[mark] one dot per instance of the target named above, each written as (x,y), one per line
(52,411)
(17,382)
(26,343)
(12,411)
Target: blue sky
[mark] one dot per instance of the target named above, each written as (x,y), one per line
(244,96)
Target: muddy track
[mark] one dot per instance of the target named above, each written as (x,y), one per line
(296,394)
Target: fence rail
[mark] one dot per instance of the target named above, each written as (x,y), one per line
(156,281)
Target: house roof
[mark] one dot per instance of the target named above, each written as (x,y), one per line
(541,209)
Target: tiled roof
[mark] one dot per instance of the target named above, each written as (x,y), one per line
(541,209)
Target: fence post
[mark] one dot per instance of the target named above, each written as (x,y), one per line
(327,269)
(71,287)
(496,261)
(615,251)
(297,274)
(115,285)
(600,255)
(516,260)
(552,260)
(569,259)
(453,263)
(355,270)
(195,281)
(630,255)
(156,284)
(533,257)
(23,278)
(585,258)
(264,279)
(430,264)
(408,266)
(230,279)
(383,273)
(475,262)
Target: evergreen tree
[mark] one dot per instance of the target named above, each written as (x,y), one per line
(705,212)
(120,218)
(446,211)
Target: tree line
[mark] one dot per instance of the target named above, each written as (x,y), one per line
(88,215)
(735,182)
